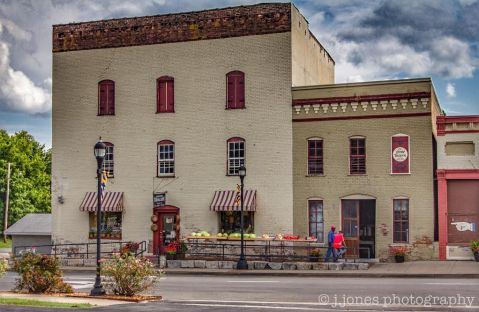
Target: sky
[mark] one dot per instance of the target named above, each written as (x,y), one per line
(369,40)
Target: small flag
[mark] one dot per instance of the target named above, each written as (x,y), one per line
(238,188)
(238,194)
(104,179)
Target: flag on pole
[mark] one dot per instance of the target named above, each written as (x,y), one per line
(104,179)
(238,194)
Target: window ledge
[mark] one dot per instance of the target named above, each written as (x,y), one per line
(165,112)
(105,114)
(399,174)
(165,176)
(232,175)
(233,108)
(315,175)
(357,174)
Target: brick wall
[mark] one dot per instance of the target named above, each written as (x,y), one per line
(209,24)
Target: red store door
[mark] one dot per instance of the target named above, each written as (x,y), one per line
(168,227)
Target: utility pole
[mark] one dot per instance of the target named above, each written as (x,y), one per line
(5,213)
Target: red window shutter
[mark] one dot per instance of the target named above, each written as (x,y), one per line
(102,106)
(161,97)
(111,99)
(240,91)
(231,79)
(170,96)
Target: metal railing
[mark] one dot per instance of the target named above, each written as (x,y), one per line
(271,251)
(82,250)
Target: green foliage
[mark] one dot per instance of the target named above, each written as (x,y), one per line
(475,245)
(7,244)
(38,303)
(30,175)
(40,274)
(127,275)
(3,267)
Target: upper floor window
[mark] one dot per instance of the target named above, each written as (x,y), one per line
(166,158)
(108,163)
(165,95)
(401,220)
(357,155)
(106,97)
(235,92)
(315,219)
(236,155)
(315,156)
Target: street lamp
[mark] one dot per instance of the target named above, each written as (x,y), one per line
(99,151)
(242,264)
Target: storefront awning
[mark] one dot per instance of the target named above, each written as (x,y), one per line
(112,201)
(225,201)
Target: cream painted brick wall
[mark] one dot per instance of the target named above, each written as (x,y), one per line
(457,162)
(379,183)
(199,127)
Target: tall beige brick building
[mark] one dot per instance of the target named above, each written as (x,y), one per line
(183,100)
(107,79)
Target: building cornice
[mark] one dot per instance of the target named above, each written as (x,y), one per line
(457,124)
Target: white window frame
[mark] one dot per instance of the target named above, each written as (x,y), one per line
(167,162)
(235,162)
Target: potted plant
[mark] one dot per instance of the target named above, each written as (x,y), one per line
(181,250)
(314,255)
(399,253)
(171,250)
(475,249)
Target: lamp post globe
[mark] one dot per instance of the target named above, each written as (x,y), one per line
(242,263)
(99,151)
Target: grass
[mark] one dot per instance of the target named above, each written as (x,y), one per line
(8,244)
(38,303)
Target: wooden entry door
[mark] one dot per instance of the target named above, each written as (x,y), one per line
(350,226)
(168,227)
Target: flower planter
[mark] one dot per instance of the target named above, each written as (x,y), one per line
(399,258)
(171,257)
(313,258)
(476,255)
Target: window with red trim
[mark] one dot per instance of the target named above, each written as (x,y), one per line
(166,158)
(357,156)
(235,91)
(106,97)
(236,155)
(315,217)
(165,95)
(315,157)
(108,162)
(401,220)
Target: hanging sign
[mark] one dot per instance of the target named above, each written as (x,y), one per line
(400,157)
(159,199)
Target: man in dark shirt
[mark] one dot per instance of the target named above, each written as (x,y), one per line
(330,252)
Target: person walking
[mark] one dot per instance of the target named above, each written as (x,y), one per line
(330,252)
(339,246)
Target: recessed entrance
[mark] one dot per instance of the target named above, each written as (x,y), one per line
(358,219)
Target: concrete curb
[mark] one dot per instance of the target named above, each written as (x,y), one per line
(311,273)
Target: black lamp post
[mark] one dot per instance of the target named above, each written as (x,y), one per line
(100,151)
(242,263)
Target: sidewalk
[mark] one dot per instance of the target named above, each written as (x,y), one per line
(52,298)
(411,269)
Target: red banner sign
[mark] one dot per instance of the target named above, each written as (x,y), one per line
(400,154)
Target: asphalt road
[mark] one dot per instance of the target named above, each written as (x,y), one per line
(256,293)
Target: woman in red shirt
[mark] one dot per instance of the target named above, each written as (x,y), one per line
(339,246)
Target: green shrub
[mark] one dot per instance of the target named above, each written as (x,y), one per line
(3,267)
(127,275)
(475,245)
(40,274)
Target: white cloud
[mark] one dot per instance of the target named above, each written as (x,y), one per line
(451,90)
(17,91)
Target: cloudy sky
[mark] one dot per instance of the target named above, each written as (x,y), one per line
(369,40)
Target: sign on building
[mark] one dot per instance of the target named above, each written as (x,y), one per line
(400,157)
(159,199)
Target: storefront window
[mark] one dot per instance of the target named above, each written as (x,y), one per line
(401,220)
(316,222)
(110,225)
(230,222)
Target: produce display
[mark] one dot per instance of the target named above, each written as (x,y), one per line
(234,236)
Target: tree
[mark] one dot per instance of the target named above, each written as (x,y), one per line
(30,175)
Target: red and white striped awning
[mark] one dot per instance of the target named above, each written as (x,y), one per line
(112,201)
(225,201)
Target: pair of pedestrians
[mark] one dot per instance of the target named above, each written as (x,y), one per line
(336,245)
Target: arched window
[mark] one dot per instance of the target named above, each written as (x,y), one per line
(315,218)
(106,97)
(235,91)
(108,162)
(165,95)
(401,220)
(166,158)
(315,156)
(357,155)
(236,155)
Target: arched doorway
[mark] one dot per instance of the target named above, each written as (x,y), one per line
(167,227)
